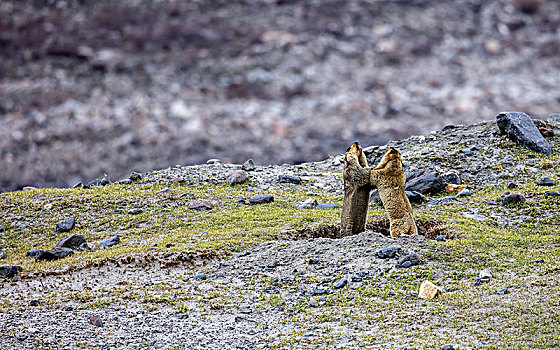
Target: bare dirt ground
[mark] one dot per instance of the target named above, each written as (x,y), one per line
(94,87)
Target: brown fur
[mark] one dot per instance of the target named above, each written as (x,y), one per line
(356,191)
(389,178)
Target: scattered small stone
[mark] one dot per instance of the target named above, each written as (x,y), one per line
(110,242)
(134,176)
(502,291)
(200,277)
(34,303)
(554,117)
(464,193)
(313,302)
(441,238)
(53,254)
(165,190)
(29,188)
(448,347)
(413,197)
(448,199)
(294,179)
(387,253)
(261,198)
(245,310)
(72,241)
(178,180)
(68,308)
(520,128)
(511,185)
(327,206)
(98,183)
(213,161)
(307,204)
(249,165)
(485,274)
(32,253)
(546,181)
(319,291)
(21,336)
(202,205)
(552,194)
(66,225)
(341,283)
(239,318)
(513,198)
(538,261)
(452,178)
(237,177)
(135,211)
(409,261)
(9,271)
(2,228)
(426,183)
(96,320)
(356,279)
(428,290)
(313,261)
(124,182)
(169,245)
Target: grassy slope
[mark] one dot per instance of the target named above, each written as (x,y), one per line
(528,316)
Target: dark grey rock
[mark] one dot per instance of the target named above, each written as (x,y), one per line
(327,206)
(356,278)
(551,194)
(9,271)
(32,253)
(511,185)
(415,197)
(546,181)
(520,128)
(125,181)
(35,303)
(307,204)
(53,254)
(3,254)
(479,281)
(426,183)
(374,197)
(2,228)
(294,179)
(66,225)
(98,183)
(96,320)
(165,190)
(249,165)
(502,291)
(84,247)
(200,277)
(441,238)
(135,211)
(448,347)
(538,261)
(319,291)
(341,283)
(448,199)
(72,241)
(237,177)
(110,242)
(387,253)
(213,161)
(409,260)
(202,205)
(134,176)
(261,198)
(513,198)
(313,261)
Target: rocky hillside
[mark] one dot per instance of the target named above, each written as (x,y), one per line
(218,255)
(102,87)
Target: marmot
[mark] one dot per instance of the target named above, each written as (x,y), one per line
(389,178)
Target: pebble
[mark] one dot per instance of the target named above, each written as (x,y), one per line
(66,225)
(319,291)
(511,185)
(96,320)
(165,190)
(9,271)
(53,254)
(341,283)
(213,161)
(479,281)
(447,199)
(202,205)
(261,198)
(72,241)
(448,347)
(34,303)
(538,261)
(426,183)
(294,179)
(135,211)
(3,254)
(440,238)
(552,194)
(110,242)
(520,128)
(307,204)
(485,274)
(513,198)
(32,253)
(2,228)
(200,277)
(327,206)
(452,178)
(387,253)
(502,291)
(546,181)
(409,261)
(464,193)
(249,165)
(237,177)
(554,117)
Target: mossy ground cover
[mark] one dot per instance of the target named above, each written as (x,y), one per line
(520,244)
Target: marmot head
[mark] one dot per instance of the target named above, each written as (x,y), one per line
(355,155)
(391,158)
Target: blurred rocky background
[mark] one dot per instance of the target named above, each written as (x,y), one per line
(96,87)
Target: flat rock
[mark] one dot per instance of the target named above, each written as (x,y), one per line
(261,198)
(428,290)
(448,199)
(66,225)
(294,179)
(72,241)
(415,197)
(426,183)
(32,253)
(307,204)
(341,283)
(202,205)
(237,177)
(53,254)
(409,261)
(519,127)
(110,242)
(546,181)
(387,253)
(513,198)
(9,271)
(327,206)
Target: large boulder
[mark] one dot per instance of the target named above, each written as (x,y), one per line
(519,127)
